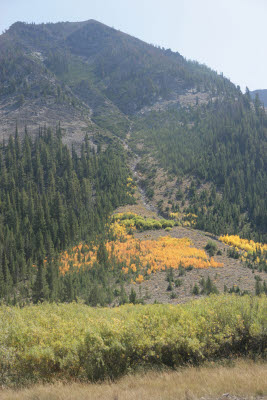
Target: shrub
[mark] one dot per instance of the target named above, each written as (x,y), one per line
(195,290)
(178,282)
(165,223)
(211,248)
(233,253)
(181,270)
(132,297)
(208,287)
(73,341)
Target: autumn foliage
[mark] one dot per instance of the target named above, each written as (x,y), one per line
(137,257)
(243,244)
(50,341)
(253,253)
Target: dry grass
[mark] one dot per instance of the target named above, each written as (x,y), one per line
(244,379)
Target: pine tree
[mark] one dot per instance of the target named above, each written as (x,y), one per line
(132,297)
(102,254)
(195,290)
(40,291)
(2,282)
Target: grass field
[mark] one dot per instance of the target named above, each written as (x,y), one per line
(242,379)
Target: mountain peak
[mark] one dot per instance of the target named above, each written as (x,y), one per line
(93,65)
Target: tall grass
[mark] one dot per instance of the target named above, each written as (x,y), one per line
(243,379)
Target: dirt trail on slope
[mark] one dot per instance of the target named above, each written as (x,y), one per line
(134,159)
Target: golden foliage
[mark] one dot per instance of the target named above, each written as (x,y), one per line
(253,251)
(118,230)
(139,257)
(243,244)
(185,219)
(130,187)
(143,256)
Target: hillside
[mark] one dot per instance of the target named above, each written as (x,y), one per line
(102,120)
(179,117)
(91,73)
(262,95)
(209,160)
(133,221)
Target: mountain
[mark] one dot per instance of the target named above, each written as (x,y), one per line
(174,116)
(262,95)
(128,174)
(90,77)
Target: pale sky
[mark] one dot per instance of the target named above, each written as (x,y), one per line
(230,36)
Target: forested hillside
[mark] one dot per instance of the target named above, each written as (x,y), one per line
(52,198)
(92,72)
(224,143)
(176,114)
(127,71)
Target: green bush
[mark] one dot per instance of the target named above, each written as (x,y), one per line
(178,282)
(73,341)
(211,248)
(195,290)
(233,253)
(165,223)
(208,287)
(168,229)
(141,223)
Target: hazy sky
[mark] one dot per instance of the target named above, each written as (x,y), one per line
(229,36)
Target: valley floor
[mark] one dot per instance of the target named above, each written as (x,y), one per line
(237,381)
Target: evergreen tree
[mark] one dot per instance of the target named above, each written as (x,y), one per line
(40,291)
